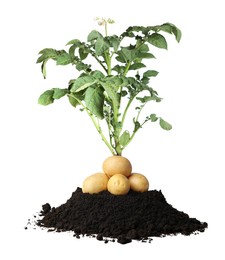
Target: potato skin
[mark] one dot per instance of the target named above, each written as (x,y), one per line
(95,183)
(138,182)
(118,184)
(117,165)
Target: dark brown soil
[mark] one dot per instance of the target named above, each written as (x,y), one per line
(135,216)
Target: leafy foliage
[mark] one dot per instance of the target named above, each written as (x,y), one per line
(94,100)
(102,93)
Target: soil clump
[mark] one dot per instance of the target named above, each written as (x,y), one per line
(121,218)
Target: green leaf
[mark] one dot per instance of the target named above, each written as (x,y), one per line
(100,46)
(137,66)
(51,54)
(129,54)
(125,81)
(93,35)
(125,138)
(172,29)
(177,32)
(142,99)
(137,125)
(128,33)
(71,82)
(74,42)
(73,99)
(114,42)
(64,59)
(42,58)
(83,52)
(131,80)
(111,91)
(120,57)
(94,100)
(97,74)
(114,81)
(47,53)
(82,66)
(166,27)
(58,93)
(146,99)
(82,83)
(153,117)
(124,93)
(43,68)
(145,80)
(165,125)
(143,48)
(72,50)
(119,69)
(46,98)
(157,40)
(150,73)
(146,55)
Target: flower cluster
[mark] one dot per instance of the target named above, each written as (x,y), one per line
(104,21)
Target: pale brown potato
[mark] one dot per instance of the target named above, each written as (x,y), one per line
(138,182)
(95,183)
(117,165)
(118,184)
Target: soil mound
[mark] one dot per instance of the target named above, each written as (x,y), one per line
(135,216)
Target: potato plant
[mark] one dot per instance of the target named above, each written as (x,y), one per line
(101,92)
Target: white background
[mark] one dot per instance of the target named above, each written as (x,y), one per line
(46,152)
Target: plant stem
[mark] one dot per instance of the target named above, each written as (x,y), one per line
(130,100)
(133,134)
(106,29)
(136,119)
(116,128)
(110,130)
(112,54)
(139,112)
(127,68)
(96,124)
(105,69)
(108,62)
(126,109)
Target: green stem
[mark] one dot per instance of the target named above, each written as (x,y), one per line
(127,68)
(112,54)
(114,135)
(105,69)
(139,112)
(110,131)
(118,128)
(96,124)
(126,109)
(135,131)
(106,29)
(117,131)
(108,62)
(138,46)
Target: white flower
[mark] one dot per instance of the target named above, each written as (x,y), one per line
(102,21)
